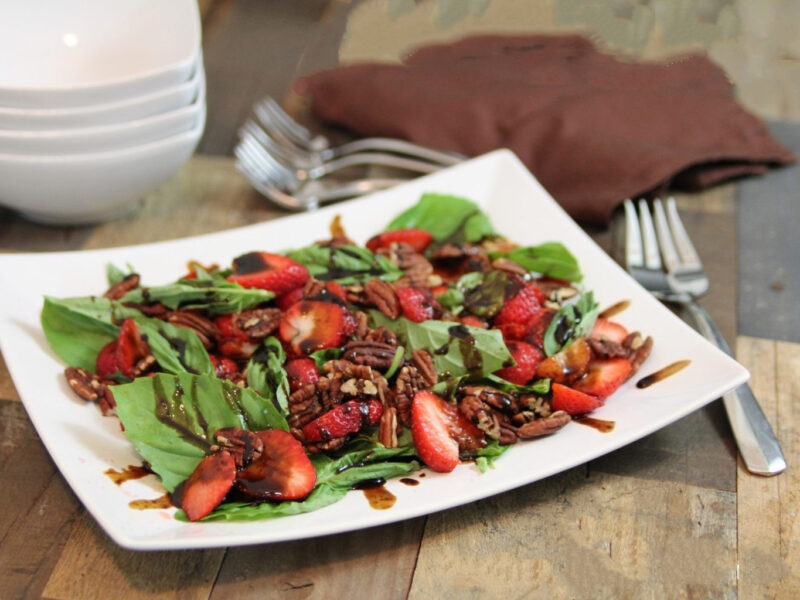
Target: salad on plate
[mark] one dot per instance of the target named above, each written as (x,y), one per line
(274,385)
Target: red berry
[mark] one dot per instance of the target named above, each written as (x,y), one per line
(282,472)
(416,304)
(603,377)
(526,357)
(224,367)
(608,330)
(573,401)
(343,420)
(537,326)
(418,239)
(522,306)
(122,354)
(473,321)
(279,274)
(311,325)
(208,485)
(301,371)
(233,341)
(440,431)
(289,298)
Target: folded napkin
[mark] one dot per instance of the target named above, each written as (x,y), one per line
(593,129)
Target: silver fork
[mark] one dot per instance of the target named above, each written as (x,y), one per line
(681,280)
(309,196)
(300,141)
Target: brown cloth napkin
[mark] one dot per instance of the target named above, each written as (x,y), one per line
(593,129)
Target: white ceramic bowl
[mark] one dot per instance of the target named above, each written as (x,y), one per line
(104,137)
(135,107)
(66,54)
(88,188)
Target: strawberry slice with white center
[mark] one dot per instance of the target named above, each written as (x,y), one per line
(311,325)
(267,271)
(441,431)
(608,330)
(603,377)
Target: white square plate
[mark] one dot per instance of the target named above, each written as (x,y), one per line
(84,444)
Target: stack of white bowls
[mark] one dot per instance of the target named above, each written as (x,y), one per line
(100,102)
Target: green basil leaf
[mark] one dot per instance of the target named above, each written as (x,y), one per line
(446,218)
(456,349)
(176,349)
(451,300)
(571,322)
(216,295)
(538,386)
(345,264)
(266,375)
(550,259)
(114,274)
(171,419)
(487,298)
(486,456)
(322,356)
(78,328)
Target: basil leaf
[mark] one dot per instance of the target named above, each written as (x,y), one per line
(266,375)
(451,300)
(345,264)
(114,274)
(322,356)
(551,259)
(446,218)
(538,387)
(487,298)
(217,295)
(456,349)
(78,328)
(171,419)
(571,322)
(485,457)
(176,349)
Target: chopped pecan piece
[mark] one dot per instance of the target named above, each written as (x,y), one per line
(122,287)
(313,288)
(205,328)
(346,369)
(535,404)
(415,266)
(312,400)
(409,382)
(91,388)
(362,325)
(423,361)
(327,446)
(382,296)
(387,430)
(479,413)
(377,355)
(359,387)
(497,399)
(607,348)
(544,426)
(244,446)
(508,265)
(381,335)
(258,323)
(157,310)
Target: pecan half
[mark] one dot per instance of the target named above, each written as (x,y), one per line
(409,382)
(508,435)
(607,348)
(497,399)
(122,287)
(535,404)
(382,296)
(311,401)
(313,288)
(508,265)
(377,355)
(481,415)
(387,429)
(244,446)
(346,369)
(91,388)
(640,355)
(205,328)
(157,310)
(545,426)
(381,335)
(258,323)
(423,361)
(415,266)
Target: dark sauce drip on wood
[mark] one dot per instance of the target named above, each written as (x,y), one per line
(614,309)
(377,495)
(662,374)
(409,481)
(147,504)
(128,473)
(601,425)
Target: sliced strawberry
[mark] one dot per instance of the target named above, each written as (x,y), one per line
(224,367)
(282,472)
(208,485)
(512,331)
(473,321)
(526,357)
(124,353)
(233,341)
(418,239)
(538,325)
(343,420)
(603,377)
(573,401)
(289,298)
(522,306)
(301,371)
(440,431)
(311,325)
(279,274)
(567,365)
(608,330)
(416,304)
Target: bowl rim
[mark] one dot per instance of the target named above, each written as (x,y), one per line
(193,13)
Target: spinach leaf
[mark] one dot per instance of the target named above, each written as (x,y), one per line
(266,375)
(176,349)
(456,349)
(335,476)
(345,264)
(171,419)
(78,328)
(447,218)
(571,322)
(550,259)
(214,294)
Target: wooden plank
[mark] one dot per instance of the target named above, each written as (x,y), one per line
(372,563)
(768,528)
(90,563)
(573,536)
(7,389)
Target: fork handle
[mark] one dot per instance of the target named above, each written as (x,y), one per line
(373,158)
(760,449)
(393,145)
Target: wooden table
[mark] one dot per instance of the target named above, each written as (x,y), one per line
(673,515)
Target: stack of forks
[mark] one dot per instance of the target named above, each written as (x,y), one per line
(292,167)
